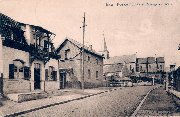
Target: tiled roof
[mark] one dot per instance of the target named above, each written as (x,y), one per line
(160,59)
(79,45)
(151,60)
(141,60)
(121,59)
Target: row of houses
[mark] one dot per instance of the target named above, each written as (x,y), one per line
(132,66)
(29,60)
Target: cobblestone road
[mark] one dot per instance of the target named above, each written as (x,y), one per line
(120,102)
(158,103)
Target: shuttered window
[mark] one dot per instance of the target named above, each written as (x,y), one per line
(54,75)
(26,73)
(11,71)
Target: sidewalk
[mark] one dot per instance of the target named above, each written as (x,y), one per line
(158,103)
(11,107)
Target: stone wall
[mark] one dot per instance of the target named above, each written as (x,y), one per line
(16,86)
(51,85)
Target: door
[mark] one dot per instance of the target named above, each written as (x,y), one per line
(62,80)
(37,78)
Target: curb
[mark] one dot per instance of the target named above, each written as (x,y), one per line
(54,104)
(140,104)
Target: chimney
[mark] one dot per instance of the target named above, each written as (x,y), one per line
(90,47)
(28,33)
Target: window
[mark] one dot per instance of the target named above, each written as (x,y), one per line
(130,67)
(53,73)
(51,69)
(45,44)
(140,68)
(26,73)
(97,74)
(149,66)
(67,54)
(37,65)
(160,66)
(21,69)
(89,73)
(97,61)
(88,58)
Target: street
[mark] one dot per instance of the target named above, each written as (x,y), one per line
(120,102)
(158,103)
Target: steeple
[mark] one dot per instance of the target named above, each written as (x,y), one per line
(105,50)
(105,46)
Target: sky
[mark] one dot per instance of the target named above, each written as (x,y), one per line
(143,29)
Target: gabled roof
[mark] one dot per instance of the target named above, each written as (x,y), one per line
(160,60)
(79,45)
(121,59)
(142,60)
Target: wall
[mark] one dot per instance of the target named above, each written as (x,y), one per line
(153,67)
(133,66)
(74,50)
(93,67)
(10,54)
(16,86)
(159,66)
(144,68)
(54,63)
(75,64)
(51,85)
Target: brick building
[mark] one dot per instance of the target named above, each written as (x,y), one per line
(70,65)
(29,60)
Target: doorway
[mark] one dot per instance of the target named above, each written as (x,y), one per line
(37,77)
(62,80)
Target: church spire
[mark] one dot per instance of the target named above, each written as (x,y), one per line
(105,46)
(105,50)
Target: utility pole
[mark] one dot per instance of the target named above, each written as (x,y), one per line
(83,27)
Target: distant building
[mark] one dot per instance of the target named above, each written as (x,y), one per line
(151,65)
(70,65)
(115,69)
(141,65)
(129,61)
(160,64)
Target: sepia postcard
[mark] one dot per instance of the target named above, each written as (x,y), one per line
(89,58)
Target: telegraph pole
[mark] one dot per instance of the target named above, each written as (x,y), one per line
(83,27)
